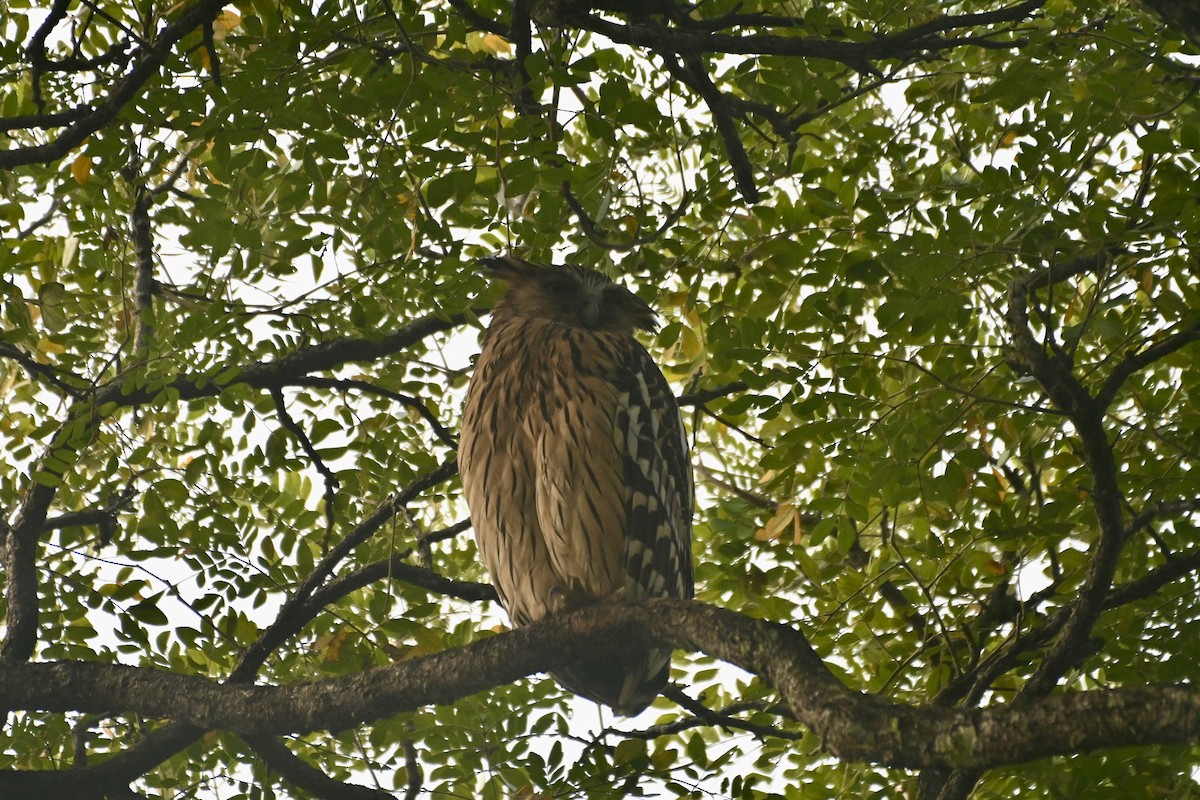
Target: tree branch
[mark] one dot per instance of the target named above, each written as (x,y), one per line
(1054,371)
(147,59)
(307,777)
(297,611)
(1143,358)
(853,726)
(442,433)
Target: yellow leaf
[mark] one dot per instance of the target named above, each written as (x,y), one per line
(224,23)
(50,347)
(1147,281)
(1003,481)
(495,44)
(330,644)
(676,299)
(690,346)
(81,168)
(785,515)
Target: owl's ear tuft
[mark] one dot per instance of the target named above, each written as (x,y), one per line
(508,268)
(629,309)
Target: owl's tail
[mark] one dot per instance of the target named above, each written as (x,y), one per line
(628,682)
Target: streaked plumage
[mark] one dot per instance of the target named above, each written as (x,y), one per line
(574,463)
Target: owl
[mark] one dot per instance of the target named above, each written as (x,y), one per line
(575,465)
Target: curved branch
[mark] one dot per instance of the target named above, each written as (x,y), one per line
(1053,370)
(592,231)
(330,479)
(312,780)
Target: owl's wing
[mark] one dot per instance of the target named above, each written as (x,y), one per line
(650,438)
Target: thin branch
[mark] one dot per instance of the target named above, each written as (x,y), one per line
(28,231)
(723,718)
(597,237)
(442,433)
(756,500)
(1152,582)
(396,568)
(307,777)
(1143,358)
(330,479)
(104,517)
(297,611)
(147,59)
(49,374)
(700,398)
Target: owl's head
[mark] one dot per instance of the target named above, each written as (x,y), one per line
(570,294)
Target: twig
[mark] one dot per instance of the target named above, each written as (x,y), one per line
(42,372)
(700,398)
(331,482)
(347,384)
(592,231)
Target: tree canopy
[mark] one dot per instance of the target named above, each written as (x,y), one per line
(930,287)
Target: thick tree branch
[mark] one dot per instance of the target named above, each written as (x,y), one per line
(690,41)
(691,72)
(854,726)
